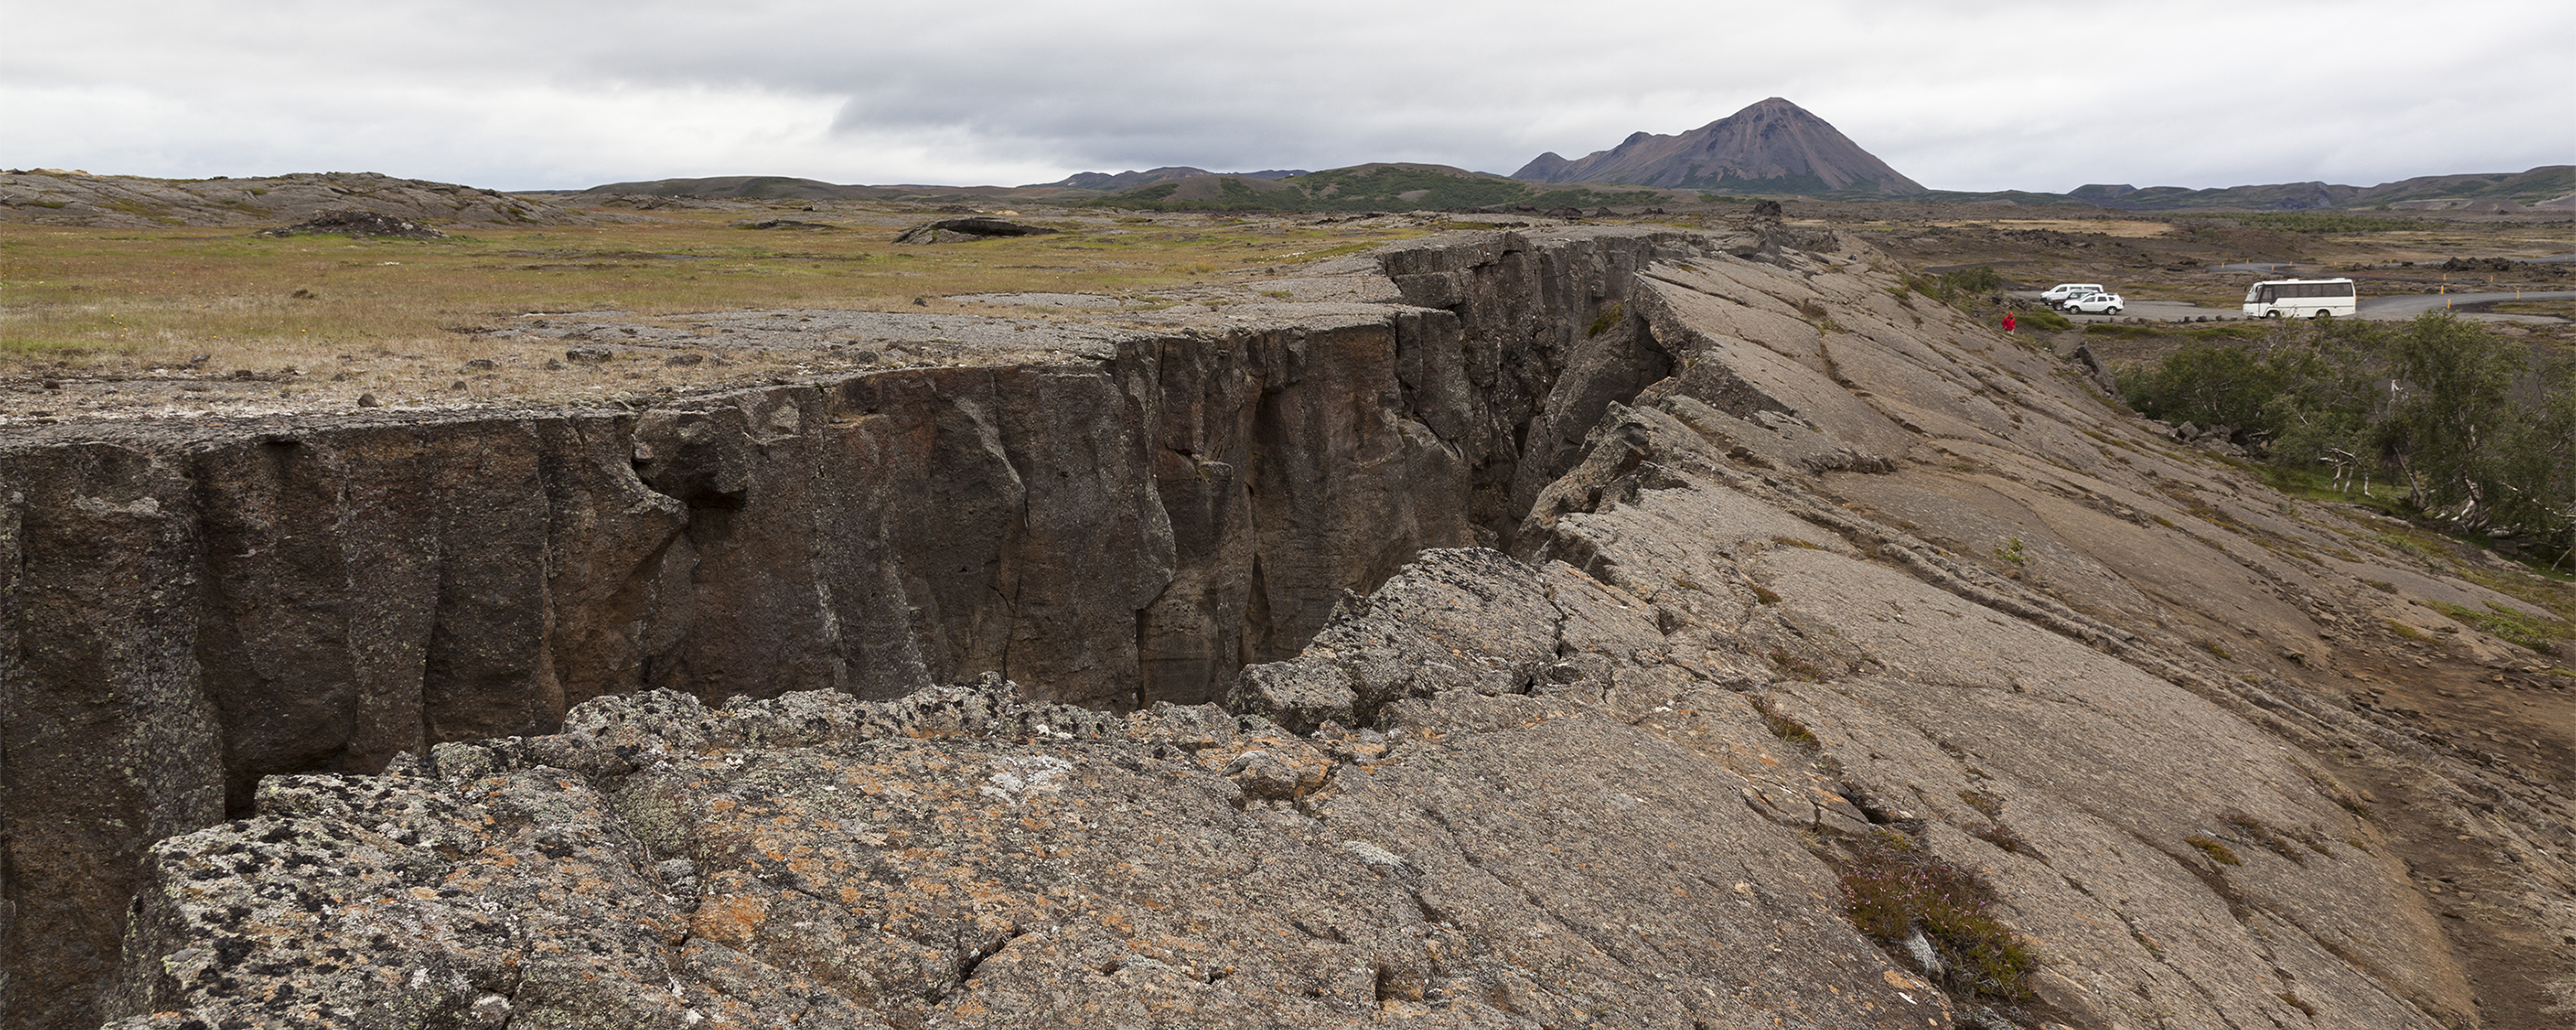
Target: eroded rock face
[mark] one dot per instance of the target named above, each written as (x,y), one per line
(1126,519)
(1557,817)
(1802,574)
(961,858)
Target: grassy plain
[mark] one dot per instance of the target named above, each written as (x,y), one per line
(122,298)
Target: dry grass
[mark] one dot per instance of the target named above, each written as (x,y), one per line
(2118,228)
(2560,308)
(124,298)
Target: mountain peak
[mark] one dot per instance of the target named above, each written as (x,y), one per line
(1771,146)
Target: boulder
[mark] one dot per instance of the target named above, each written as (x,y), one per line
(361,224)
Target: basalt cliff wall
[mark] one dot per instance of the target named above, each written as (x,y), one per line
(1605,628)
(1126,519)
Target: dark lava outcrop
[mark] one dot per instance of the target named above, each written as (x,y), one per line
(358,223)
(951,230)
(1793,589)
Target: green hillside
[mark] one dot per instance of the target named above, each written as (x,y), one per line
(2544,183)
(1369,187)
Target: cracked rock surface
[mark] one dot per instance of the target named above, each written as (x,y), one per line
(1784,572)
(964,858)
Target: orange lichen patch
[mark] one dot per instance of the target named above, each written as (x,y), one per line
(730,920)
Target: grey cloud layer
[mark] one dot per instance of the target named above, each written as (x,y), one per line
(1961,96)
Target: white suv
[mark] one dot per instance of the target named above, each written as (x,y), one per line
(2065,293)
(2095,304)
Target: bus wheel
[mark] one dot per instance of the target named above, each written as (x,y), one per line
(2322,313)
(2272,314)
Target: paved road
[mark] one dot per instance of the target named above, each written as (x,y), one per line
(2415,304)
(2153,311)
(2376,309)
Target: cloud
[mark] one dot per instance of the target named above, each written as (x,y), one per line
(1957,95)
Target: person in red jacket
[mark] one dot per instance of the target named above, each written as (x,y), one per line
(2008,321)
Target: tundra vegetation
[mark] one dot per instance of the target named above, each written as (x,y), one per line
(1604,686)
(2469,430)
(78,297)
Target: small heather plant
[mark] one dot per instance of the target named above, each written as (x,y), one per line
(1892,886)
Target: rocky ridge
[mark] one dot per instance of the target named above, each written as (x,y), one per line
(54,197)
(1120,515)
(1804,573)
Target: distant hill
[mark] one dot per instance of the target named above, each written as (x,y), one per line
(2545,186)
(52,196)
(1368,187)
(744,187)
(780,187)
(1770,147)
(1131,180)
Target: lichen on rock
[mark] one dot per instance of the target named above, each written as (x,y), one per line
(1731,636)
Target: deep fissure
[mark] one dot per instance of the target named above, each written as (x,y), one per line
(485,572)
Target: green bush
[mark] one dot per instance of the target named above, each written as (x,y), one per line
(1970,281)
(2217,852)
(2214,334)
(2474,432)
(1609,316)
(1891,885)
(2215,385)
(2512,625)
(2046,320)
(1784,727)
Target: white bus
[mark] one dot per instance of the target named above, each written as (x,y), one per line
(2300,298)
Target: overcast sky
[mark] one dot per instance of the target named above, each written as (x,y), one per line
(1969,96)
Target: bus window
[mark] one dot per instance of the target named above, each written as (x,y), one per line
(2268,295)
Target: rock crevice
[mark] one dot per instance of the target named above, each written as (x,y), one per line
(1627,627)
(197,607)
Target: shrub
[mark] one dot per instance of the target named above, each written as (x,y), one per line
(2047,320)
(1970,282)
(2511,625)
(1891,886)
(1609,316)
(2477,435)
(2217,852)
(1785,728)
